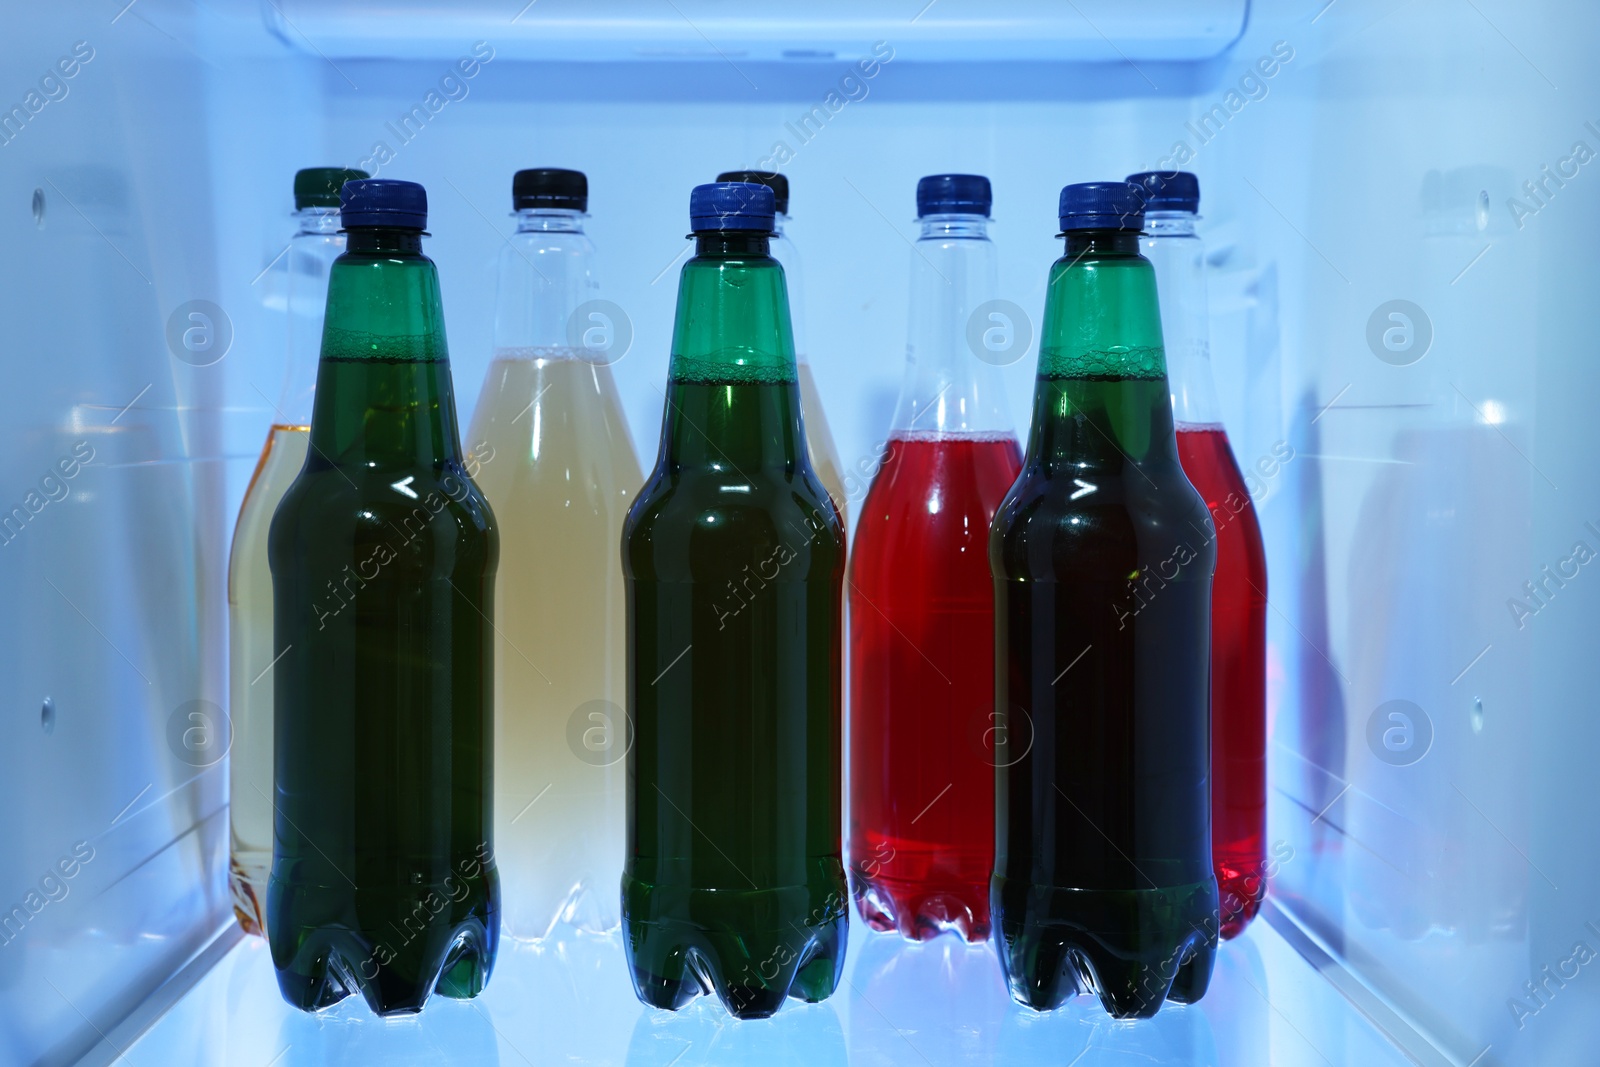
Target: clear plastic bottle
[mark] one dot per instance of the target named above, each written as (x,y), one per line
(316,243)
(553,454)
(922,600)
(1239,591)
(819,439)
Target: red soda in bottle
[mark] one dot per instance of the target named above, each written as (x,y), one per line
(921,597)
(1239,590)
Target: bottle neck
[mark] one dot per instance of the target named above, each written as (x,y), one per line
(316,243)
(546,273)
(782,248)
(317,220)
(384,395)
(1101,400)
(955,345)
(385,241)
(549,220)
(1169,223)
(732,245)
(731,398)
(1178,256)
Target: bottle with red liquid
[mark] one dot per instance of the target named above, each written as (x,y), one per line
(1239,590)
(921,597)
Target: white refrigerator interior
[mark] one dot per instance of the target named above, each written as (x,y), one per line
(1400,201)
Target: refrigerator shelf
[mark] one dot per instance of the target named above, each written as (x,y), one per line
(569,1000)
(1103,31)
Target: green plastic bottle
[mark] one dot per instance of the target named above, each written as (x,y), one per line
(733,555)
(1102,556)
(383,557)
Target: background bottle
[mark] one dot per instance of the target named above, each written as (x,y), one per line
(383,557)
(734,558)
(922,599)
(1102,556)
(819,439)
(556,462)
(312,250)
(1239,591)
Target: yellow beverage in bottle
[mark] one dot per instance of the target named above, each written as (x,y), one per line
(313,248)
(555,460)
(551,451)
(819,440)
(251,656)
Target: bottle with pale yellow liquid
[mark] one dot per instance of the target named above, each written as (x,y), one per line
(316,243)
(819,440)
(554,457)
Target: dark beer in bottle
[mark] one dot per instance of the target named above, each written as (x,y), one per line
(383,558)
(1102,557)
(1239,591)
(733,555)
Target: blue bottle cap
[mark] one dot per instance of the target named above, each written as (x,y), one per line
(1168,190)
(383,202)
(731,206)
(1102,206)
(953,194)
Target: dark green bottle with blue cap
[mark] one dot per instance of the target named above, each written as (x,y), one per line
(1102,556)
(733,555)
(383,556)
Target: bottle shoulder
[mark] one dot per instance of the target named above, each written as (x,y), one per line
(327,502)
(936,491)
(544,423)
(709,520)
(970,469)
(279,466)
(594,482)
(688,492)
(1087,525)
